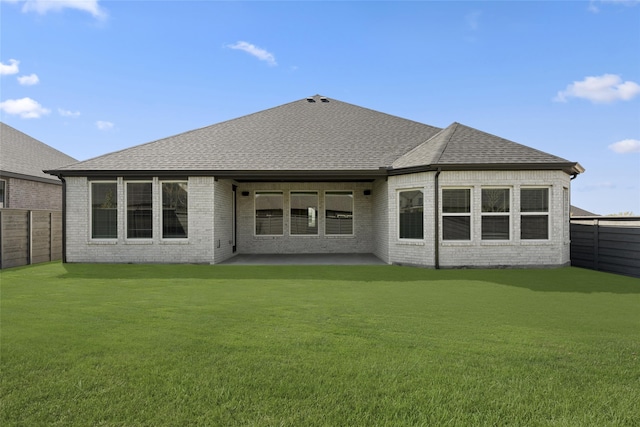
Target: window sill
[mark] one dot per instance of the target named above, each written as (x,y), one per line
(340,236)
(457,243)
(103,242)
(410,242)
(174,241)
(536,242)
(138,242)
(497,242)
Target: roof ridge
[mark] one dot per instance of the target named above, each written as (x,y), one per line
(422,144)
(446,142)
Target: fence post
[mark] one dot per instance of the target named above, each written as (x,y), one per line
(29,237)
(1,240)
(50,236)
(596,243)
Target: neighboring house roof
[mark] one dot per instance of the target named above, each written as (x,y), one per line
(22,156)
(576,211)
(315,135)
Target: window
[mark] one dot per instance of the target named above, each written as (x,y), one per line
(139,210)
(411,214)
(534,211)
(175,224)
(2,193)
(104,210)
(269,213)
(456,214)
(338,212)
(495,214)
(304,213)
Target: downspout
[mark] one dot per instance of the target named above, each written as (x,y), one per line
(64,219)
(436,202)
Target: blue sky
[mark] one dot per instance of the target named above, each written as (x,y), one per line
(91,77)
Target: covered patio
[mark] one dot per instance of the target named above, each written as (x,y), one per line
(304,259)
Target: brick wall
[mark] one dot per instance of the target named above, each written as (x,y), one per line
(552,252)
(362,241)
(27,194)
(197,248)
(375,222)
(478,252)
(223,220)
(409,251)
(380,212)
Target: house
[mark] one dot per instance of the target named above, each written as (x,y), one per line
(318,175)
(23,184)
(576,211)
(30,200)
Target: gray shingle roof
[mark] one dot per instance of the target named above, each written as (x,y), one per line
(299,136)
(24,156)
(462,145)
(314,134)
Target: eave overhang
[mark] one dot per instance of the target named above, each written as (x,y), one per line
(570,168)
(237,175)
(5,174)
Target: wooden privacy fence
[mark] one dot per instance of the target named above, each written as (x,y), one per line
(609,244)
(29,237)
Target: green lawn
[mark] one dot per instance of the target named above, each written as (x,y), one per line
(142,345)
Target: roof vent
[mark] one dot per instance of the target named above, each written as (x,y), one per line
(310,99)
(324,99)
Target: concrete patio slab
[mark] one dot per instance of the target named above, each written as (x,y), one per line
(304,259)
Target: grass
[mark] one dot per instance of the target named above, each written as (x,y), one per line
(142,345)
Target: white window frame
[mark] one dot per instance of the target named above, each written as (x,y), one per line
(255,222)
(126,210)
(508,214)
(547,213)
(405,190)
(117,201)
(161,202)
(457,214)
(317,218)
(353,212)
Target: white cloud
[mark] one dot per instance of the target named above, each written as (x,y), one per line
(473,19)
(251,49)
(598,186)
(68,113)
(26,108)
(102,125)
(11,68)
(626,146)
(29,80)
(601,89)
(42,7)
(593,4)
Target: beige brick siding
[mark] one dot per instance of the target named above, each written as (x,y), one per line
(404,251)
(380,208)
(223,220)
(521,253)
(375,223)
(362,241)
(27,194)
(476,252)
(197,248)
